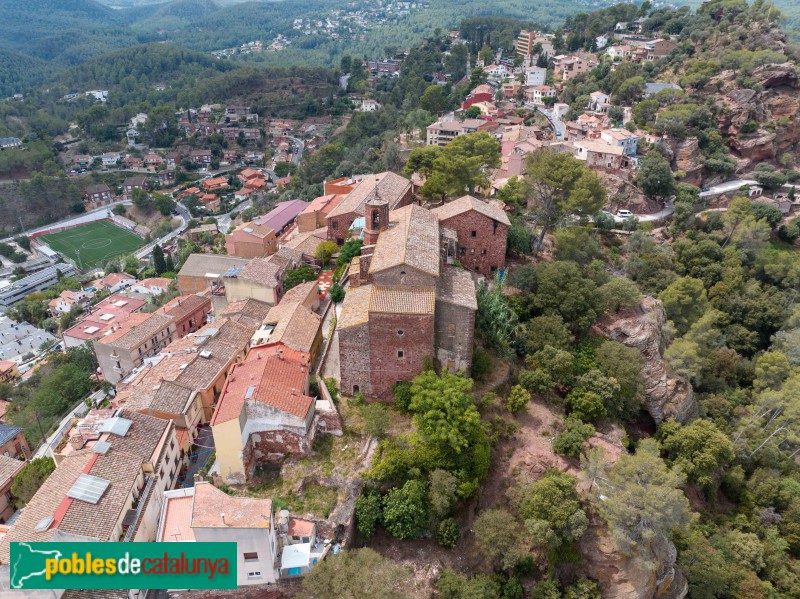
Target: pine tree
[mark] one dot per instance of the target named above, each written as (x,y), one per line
(159,264)
(170,264)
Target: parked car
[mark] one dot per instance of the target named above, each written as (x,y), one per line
(624,213)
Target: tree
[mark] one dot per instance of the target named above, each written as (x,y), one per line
(169,263)
(699,449)
(551,509)
(356,574)
(518,399)
(434,99)
(442,492)
(619,293)
(336,293)
(159,263)
(498,535)
(368,514)
(299,274)
(421,160)
(448,533)
(462,166)
(563,289)
(624,364)
(141,199)
(586,405)
(643,503)
(443,409)
(405,510)
(163,203)
(30,479)
(570,440)
(561,185)
(377,420)
(324,251)
(473,112)
(540,331)
(685,301)
(654,176)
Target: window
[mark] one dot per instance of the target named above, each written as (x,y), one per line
(334,225)
(254,575)
(400,333)
(356,389)
(402,272)
(483,252)
(474,233)
(400,353)
(251,556)
(472,251)
(451,328)
(462,251)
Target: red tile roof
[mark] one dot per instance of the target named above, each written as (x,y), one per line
(275,376)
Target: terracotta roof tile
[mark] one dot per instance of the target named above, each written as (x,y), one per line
(9,467)
(355,309)
(413,241)
(402,300)
(389,186)
(467,203)
(213,508)
(275,375)
(137,329)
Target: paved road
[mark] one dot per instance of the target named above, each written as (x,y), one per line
(727,187)
(558,125)
(299,148)
(646,218)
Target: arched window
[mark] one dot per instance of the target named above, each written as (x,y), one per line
(376,219)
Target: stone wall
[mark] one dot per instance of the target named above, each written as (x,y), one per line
(486,250)
(455,329)
(399,344)
(354,359)
(403,275)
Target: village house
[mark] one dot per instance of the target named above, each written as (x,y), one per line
(282,216)
(13,443)
(250,240)
(201,157)
(98,195)
(215,184)
(538,94)
(315,214)
(446,130)
(141,336)
(152,286)
(183,382)
(9,373)
(482,93)
(482,232)
(100,319)
(115,281)
(404,306)
(261,278)
(623,138)
(203,513)
(109,492)
(205,271)
(535,76)
(510,89)
(9,468)
(497,72)
(599,101)
(307,244)
(294,322)
(110,159)
(131,183)
(341,186)
(197,233)
(620,52)
(67,299)
(567,67)
(658,49)
(393,188)
(153,160)
(600,155)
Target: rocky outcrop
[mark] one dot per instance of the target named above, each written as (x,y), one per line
(773,105)
(667,394)
(689,160)
(621,576)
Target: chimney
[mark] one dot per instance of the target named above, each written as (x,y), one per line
(222,515)
(76,441)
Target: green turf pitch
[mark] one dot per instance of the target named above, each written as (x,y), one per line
(90,244)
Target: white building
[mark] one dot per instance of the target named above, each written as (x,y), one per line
(98,94)
(535,76)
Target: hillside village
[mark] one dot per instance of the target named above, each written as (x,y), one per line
(512,279)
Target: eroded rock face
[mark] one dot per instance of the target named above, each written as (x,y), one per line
(623,577)
(689,160)
(667,394)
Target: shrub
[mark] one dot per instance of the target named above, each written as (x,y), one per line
(586,405)
(405,510)
(368,514)
(401,393)
(518,399)
(448,533)
(336,293)
(570,441)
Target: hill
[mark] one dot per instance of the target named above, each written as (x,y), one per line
(170,16)
(18,72)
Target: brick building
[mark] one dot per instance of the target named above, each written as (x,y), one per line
(251,240)
(315,215)
(482,231)
(404,305)
(393,188)
(13,443)
(201,271)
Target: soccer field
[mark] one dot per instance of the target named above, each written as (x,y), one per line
(90,244)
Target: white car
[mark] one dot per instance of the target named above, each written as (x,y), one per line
(624,213)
